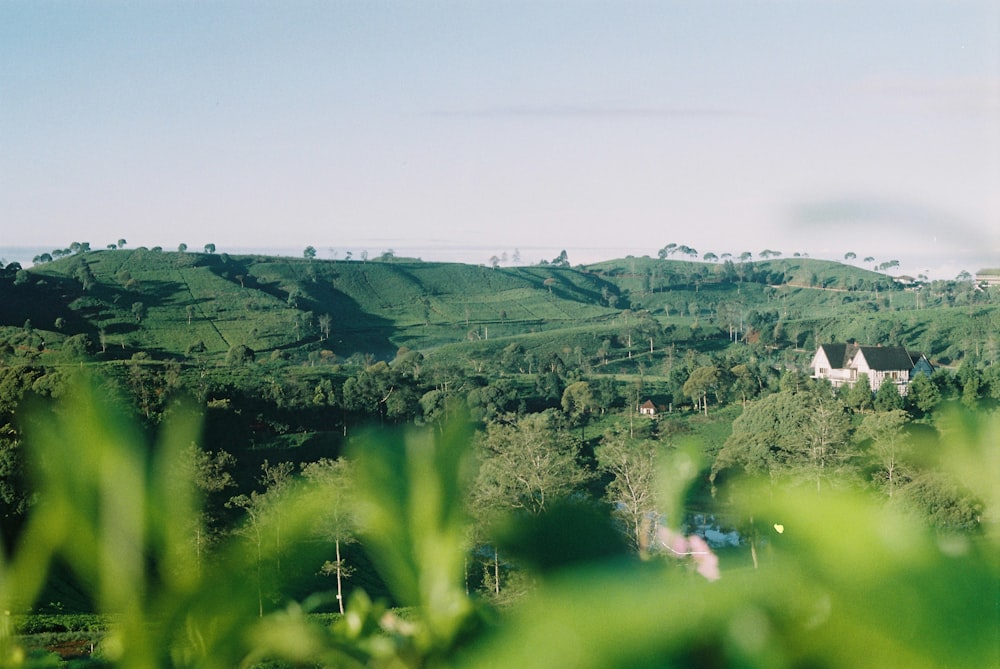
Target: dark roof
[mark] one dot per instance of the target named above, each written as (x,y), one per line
(836,354)
(839,354)
(879,358)
(887,358)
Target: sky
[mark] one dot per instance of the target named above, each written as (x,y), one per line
(467,129)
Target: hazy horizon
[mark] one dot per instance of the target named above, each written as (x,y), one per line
(933,267)
(822,127)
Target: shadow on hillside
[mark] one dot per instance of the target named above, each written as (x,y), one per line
(573,285)
(42,302)
(352,329)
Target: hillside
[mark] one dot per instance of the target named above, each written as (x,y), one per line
(175,306)
(290,360)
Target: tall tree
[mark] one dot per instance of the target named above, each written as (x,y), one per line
(253,506)
(529,463)
(698,385)
(890,445)
(922,396)
(339,521)
(746,383)
(631,492)
(210,472)
(577,402)
(826,435)
(276,479)
(792,435)
(887,398)
(262,510)
(859,396)
(324,326)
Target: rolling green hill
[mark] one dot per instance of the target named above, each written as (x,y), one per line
(173,306)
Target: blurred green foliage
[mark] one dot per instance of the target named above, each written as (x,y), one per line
(843,581)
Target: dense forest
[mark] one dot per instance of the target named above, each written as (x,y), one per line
(456,454)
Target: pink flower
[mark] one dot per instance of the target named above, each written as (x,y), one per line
(694,547)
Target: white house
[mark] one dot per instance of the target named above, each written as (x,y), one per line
(842,364)
(988,277)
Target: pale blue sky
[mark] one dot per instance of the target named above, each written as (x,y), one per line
(605,128)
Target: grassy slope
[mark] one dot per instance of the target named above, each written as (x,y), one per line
(274,303)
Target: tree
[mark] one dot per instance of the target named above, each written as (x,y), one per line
(577,403)
(688,251)
(182,247)
(210,472)
(239,354)
(764,436)
(309,253)
(797,435)
(209,248)
(701,381)
(942,501)
(859,396)
(745,383)
(276,479)
(528,464)
(262,511)
(15,383)
(890,444)
(631,491)
(138,310)
(825,436)
(338,524)
(667,251)
(887,397)
(121,243)
(491,401)
(850,255)
(253,506)
(922,396)
(970,381)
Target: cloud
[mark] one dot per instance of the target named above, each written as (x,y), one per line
(924,239)
(969,95)
(905,221)
(589,111)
